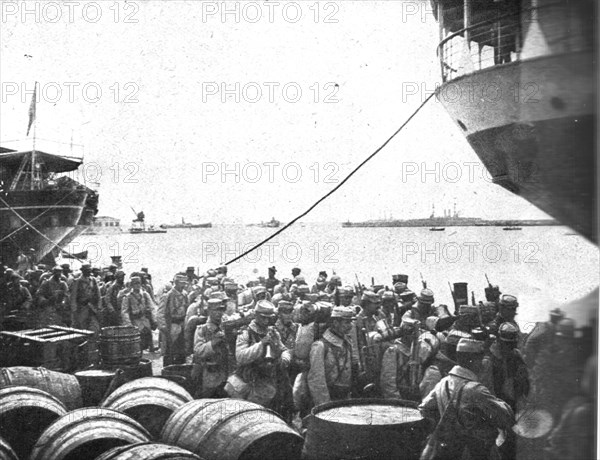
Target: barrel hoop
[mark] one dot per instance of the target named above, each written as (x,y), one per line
(221,422)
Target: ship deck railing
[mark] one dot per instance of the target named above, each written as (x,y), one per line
(515,37)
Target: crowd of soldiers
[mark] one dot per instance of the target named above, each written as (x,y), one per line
(289,346)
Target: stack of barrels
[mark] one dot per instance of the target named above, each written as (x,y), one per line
(41,417)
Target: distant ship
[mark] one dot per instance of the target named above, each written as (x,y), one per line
(519,81)
(437,229)
(185,224)
(273,223)
(449,219)
(511,228)
(38,208)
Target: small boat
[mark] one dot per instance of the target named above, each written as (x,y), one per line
(512,228)
(437,229)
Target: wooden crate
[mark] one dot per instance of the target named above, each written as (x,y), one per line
(54,347)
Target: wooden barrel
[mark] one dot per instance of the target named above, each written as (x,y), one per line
(150,401)
(181,374)
(64,387)
(231,429)
(94,383)
(6,452)
(86,433)
(25,413)
(148,451)
(365,429)
(120,345)
(131,371)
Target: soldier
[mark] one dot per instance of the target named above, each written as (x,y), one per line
(211,354)
(171,317)
(330,375)
(395,377)
(319,286)
(112,302)
(19,298)
(285,326)
(389,307)
(271,281)
(506,376)
(295,272)
(138,310)
(260,354)
(424,307)
(51,298)
(507,310)
(541,336)
(467,415)
(85,301)
(192,278)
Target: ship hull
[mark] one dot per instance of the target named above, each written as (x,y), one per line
(53,213)
(532,124)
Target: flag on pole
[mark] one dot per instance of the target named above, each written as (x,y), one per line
(32,108)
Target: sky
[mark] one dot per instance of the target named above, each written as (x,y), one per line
(286,98)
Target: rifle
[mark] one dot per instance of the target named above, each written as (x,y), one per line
(359,289)
(368,365)
(473,298)
(423,282)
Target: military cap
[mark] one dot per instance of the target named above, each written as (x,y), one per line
(400,287)
(299,280)
(222,269)
(507,300)
(557,313)
(259,290)
(470,346)
(265,308)
(407,295)
(426,296)
(114,267)
(66,266)
(181,278)
(211,273)
(214,304)
(229,286)
(303,289)
(272,269)
(400,279)
(343,313)
(144,269)
(388,295)
(335,279)
(508,332)
(190,269)
(370,296)
(119,273)
(220,295)
(135,279)
(409,324)
(86,267)
(285,306)
(57,268)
